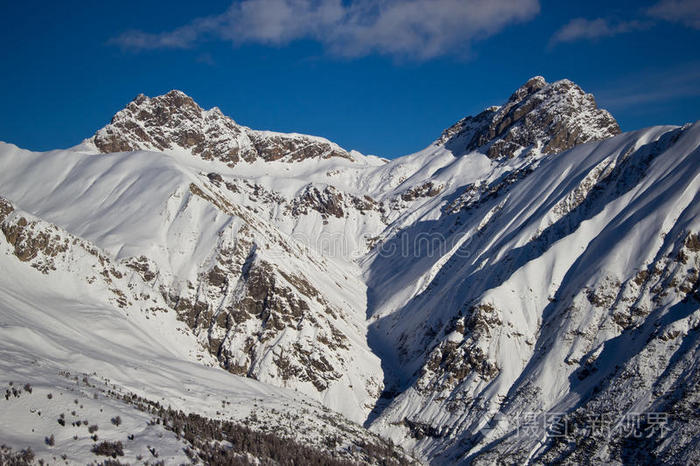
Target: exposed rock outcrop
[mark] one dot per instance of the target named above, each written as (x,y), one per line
(174,121)
(548,118)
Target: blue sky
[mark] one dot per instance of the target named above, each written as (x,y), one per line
(383,77)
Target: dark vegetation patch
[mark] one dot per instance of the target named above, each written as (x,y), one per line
(112,449)
(221,442)
(8,457)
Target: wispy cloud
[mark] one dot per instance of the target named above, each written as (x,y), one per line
(686,12)
(592,29)
(652,87)
(418,29)
(682,11)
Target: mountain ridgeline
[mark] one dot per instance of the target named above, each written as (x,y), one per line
(522,290)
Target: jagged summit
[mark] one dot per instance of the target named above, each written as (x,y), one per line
(539,117)
(174,121)
(532,85)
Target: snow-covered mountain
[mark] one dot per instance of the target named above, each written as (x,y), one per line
(530,270)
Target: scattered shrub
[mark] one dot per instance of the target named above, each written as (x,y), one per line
(20,458)
(106,448)
(112,462)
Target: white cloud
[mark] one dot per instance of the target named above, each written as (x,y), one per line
(419,29)
(591,29)
(683,11)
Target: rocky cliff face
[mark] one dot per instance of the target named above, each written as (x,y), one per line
(538,118)
(175,122)
(260,306)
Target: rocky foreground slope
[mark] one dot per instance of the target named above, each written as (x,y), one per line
(525,289)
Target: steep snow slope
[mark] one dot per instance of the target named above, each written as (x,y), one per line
(525,294)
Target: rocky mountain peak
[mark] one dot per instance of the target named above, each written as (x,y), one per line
(538,118)
(532,85)
(174,121)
